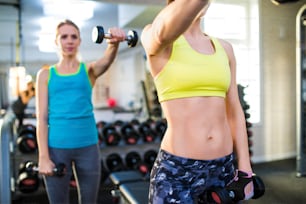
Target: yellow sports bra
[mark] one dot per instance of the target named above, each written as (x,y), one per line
(189,73)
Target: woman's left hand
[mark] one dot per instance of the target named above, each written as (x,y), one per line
(118,35)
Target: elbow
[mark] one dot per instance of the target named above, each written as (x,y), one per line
(161,38)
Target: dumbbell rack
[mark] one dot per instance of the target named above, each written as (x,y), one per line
(123,149)
(18,157)
(12,157)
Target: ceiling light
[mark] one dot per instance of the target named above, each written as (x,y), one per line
(71,9)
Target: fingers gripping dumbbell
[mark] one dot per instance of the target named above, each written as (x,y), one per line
(98,35)
(59,170)
(235,191)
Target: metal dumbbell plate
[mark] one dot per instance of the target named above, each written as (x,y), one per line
(97,34)
(132,38)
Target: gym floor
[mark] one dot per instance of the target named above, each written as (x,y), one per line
(282,186)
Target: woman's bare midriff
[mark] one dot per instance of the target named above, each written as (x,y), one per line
(197,128)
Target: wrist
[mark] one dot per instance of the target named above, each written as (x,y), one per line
(246,174)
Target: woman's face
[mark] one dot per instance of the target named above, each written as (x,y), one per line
(68,40)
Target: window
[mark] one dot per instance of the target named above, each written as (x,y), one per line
(238,23)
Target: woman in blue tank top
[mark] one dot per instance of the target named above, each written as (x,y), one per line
(66,130)
(195,78)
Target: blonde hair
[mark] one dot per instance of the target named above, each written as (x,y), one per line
(66,22)
(169,1)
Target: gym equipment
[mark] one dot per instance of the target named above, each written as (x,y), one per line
(149,157)
(27,181)
(111,135)
(26,140)
(100,126)
(160,127)
(232,194)
(129,134)
(300,90)
(132,160)
(31,167)
(98,35)
(146,132)
(136,192)
(129,187)
(114,162)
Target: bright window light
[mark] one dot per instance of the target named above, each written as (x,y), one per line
(57,10)
(238,23)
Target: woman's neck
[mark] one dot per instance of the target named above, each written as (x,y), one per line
(68,64)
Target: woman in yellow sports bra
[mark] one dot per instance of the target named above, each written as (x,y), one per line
(195,77)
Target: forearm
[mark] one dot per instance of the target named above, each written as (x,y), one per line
(110,53)
(102,65)
(240,139)
(42,140)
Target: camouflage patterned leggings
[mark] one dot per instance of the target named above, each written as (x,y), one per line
(177,179)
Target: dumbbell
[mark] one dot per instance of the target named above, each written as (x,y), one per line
(160,127)
(129,134)
(227,195)
(146,132)
(59,170)
(27,182)
(134,162)
(26,140)
(149,157)
(114,162)
(100,126)
(111,135)
(98,35)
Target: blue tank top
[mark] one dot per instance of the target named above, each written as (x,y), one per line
(71,119)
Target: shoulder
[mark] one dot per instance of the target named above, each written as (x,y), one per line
(227,46)
(43,74)
(145,33)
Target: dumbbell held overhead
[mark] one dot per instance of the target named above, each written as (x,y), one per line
(98,36)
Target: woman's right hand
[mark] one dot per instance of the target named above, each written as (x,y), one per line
(46,167)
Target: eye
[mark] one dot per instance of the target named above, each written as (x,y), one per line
(74,37)
(64,37)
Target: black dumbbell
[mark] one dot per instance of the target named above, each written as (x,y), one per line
(129,134)
(114,162)
(26,140)
(111,135)
(160,127)
(27,182)
(146,132)
(132,160)
(59,170)
(229,195)
(149,157)
(98,35)
(100,125)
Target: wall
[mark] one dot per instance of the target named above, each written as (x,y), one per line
(275,137)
